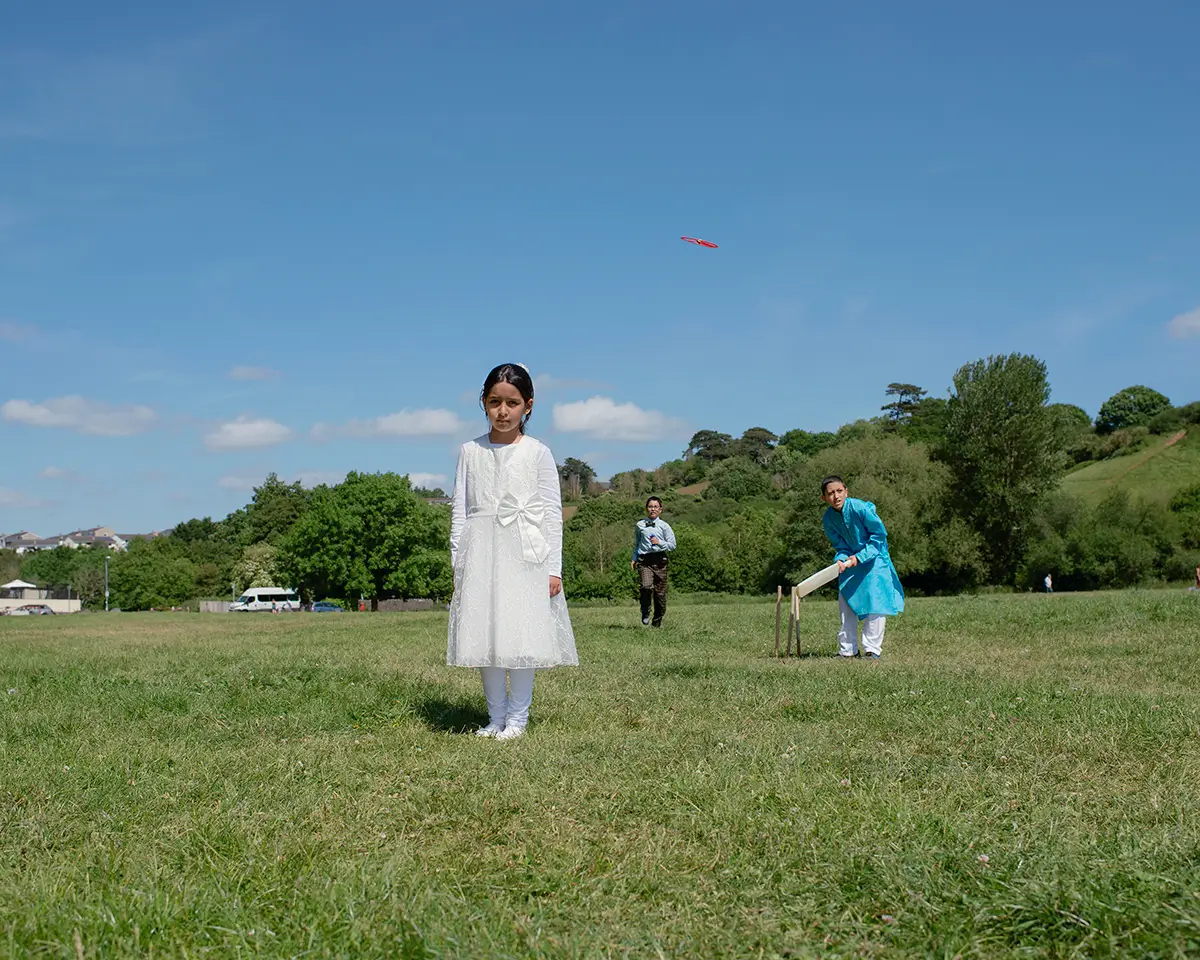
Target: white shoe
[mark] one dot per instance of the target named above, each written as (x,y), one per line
(491,730)
(510,733)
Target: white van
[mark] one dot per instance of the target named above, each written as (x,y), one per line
(266,598)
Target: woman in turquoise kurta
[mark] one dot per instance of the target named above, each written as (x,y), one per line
(869,590)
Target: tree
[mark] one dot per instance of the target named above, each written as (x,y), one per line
(738,479)
(49,568)
(1002,450)
(907,395)
(927,422)
(807,444)
(600,535)
(575,477)
(709,445)
(1131,407)
(258,567)
(10,565)
(369,536)
(275,507)
(1070,419)
(934,551)
(751,544)
(630,484)
(756,445)
(195,531)
(150,573)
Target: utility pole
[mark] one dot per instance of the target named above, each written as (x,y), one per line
(106,583)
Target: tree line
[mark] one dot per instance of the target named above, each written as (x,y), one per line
(968,484)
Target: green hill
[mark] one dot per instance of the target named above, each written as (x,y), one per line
(1166,466)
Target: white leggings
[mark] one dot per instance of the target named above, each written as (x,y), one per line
(872,631)
(508,708)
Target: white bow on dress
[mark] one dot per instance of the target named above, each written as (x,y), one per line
(528,516)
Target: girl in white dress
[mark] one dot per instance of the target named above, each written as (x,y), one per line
(508,616)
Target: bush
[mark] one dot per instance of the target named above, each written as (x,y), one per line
(738,479)
(1171,420)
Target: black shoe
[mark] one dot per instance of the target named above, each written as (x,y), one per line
(645,621)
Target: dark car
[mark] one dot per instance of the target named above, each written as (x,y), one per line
(324,606)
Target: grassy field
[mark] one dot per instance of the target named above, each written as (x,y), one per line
(1020,776)
(1158,472)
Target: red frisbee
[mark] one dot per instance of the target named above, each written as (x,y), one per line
(700,243)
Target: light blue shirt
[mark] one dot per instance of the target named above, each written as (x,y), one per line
(872,587)
(647,528)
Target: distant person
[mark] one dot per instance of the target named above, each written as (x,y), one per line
(868,588)
(1049,582)
(508,615)
(653,538)
(1197,586)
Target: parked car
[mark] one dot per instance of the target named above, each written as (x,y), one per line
(32,610)
(324,606)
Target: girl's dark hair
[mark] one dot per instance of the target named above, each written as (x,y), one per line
(654,500)
(832,478)
(514,374)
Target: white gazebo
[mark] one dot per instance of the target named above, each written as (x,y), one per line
(20,586)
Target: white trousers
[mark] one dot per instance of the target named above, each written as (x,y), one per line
(872,631)
(509,694)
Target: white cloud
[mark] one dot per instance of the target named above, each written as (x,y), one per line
(254,373)
(11,332)
(314,478)
(544,383)
(604,419)
(247,434)
(59,473)
(406,423)
(427,480)
(1185,326)
(14,500)
(82,416)
(238,483)
(306,478)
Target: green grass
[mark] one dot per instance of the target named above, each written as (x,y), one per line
(1019,777)
(1156,473)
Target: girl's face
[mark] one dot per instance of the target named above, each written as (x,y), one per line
(506,408)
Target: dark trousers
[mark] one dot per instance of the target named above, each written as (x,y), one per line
(652,571)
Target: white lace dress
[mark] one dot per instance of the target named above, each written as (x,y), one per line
(505,544)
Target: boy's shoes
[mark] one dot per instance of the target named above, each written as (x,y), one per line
(510,733)
(491,730)
(847,656)
(645,621)
(871,656)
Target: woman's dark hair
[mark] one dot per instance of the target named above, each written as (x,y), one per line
(832,478)
(654,500)
(514,374)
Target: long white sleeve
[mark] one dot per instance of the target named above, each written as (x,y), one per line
(458,506)
(547,473)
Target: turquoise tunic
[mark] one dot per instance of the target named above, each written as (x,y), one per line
(872,587)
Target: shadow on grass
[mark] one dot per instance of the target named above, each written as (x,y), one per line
(805,655)
(451,716)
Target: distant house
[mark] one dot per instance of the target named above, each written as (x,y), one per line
(102,537)
(13,541)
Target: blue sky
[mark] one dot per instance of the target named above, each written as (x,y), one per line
(247,237)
